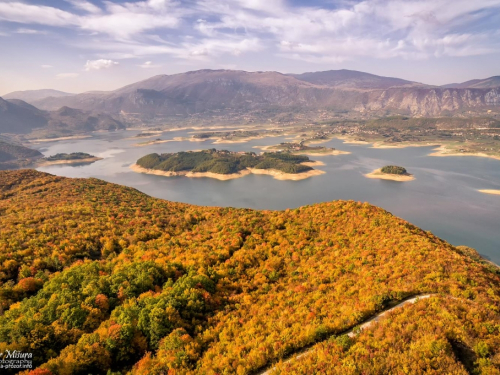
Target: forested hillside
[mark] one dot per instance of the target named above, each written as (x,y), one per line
(96,277)
(15,155)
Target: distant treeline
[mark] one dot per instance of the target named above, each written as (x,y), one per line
(223,161)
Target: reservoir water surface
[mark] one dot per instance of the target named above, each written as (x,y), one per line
(442,199)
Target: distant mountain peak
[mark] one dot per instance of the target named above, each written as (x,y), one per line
(31,96)
(67,111)
(352,79)
(487,83)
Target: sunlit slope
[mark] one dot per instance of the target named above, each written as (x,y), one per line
(97,276)
(440,335)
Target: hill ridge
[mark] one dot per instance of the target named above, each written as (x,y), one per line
(147,286)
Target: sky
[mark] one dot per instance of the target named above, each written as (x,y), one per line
(87,45)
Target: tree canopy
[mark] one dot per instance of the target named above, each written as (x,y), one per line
(100,278)
(393,169)
(223,162)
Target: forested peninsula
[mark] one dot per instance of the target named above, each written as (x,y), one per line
(100,278)
(223,164)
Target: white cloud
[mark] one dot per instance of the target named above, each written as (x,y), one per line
(67,75)
(375,28)
(149,65)
(85,6)
(29,31)
(46,66)
(36,14)
(99,64)
(205,30)
(125,20)
(118,20)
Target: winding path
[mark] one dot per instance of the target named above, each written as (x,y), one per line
(352,332)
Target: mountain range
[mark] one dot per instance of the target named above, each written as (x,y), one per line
(208,92)
(34,95)
(492,82)
(19,117)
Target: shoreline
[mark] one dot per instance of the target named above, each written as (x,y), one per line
(175,139)
(403,145)
(441,151)
(278,175)
(379,144)
(332,152)
(219,141)
(218,176)
(152,143)
(317,141)
(490,191)
(216,140)
(59,138)
(315,163)
(197,128)
(386,176)
(73,161)
(349,140)
(154,133)
(305,152)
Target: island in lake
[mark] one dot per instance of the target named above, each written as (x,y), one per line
(391,172)
(302,149)
(225,165)
(234,136)
(147,134)
(72,158)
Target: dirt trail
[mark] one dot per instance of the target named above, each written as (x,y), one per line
(353,331)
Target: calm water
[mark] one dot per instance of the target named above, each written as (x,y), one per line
(443,198)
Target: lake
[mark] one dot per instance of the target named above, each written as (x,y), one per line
(442,199)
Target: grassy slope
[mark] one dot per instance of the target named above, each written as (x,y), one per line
(97,276)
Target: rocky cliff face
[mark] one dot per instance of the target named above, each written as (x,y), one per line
(430,102)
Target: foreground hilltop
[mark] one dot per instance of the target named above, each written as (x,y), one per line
(96,276)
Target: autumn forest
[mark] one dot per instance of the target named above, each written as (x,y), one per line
(97,278)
